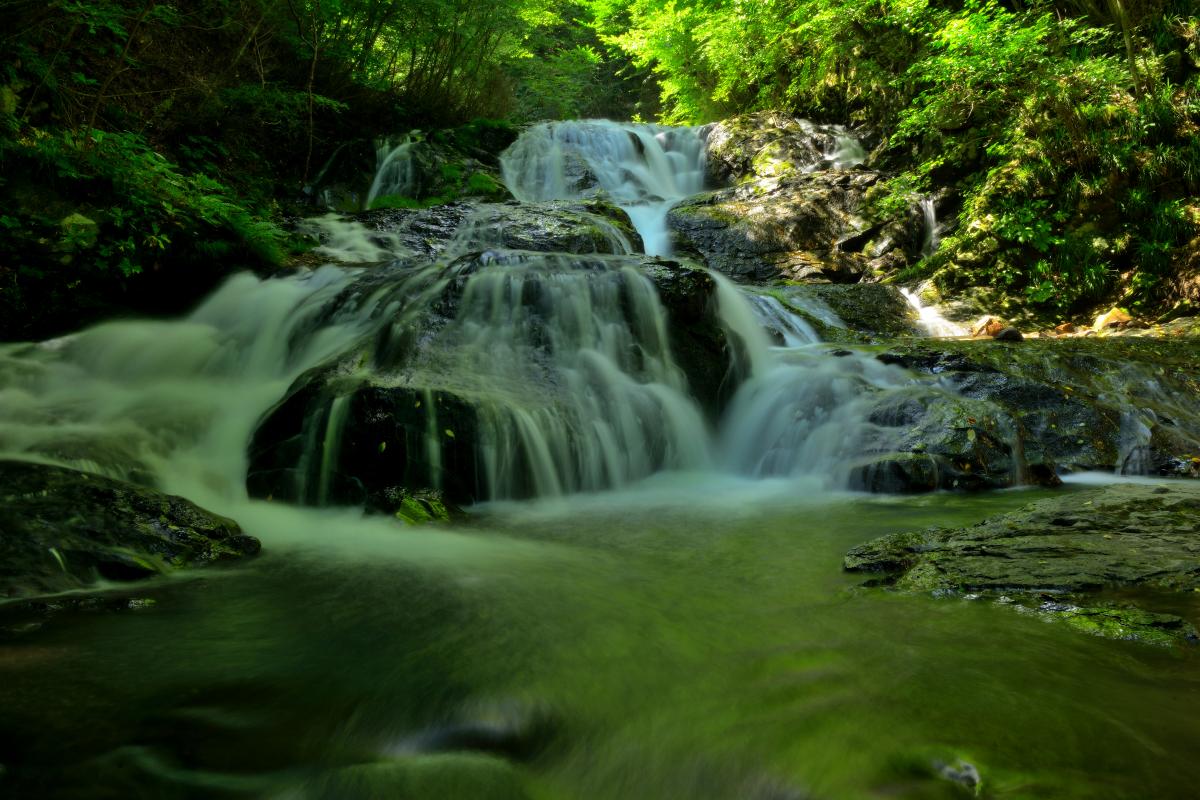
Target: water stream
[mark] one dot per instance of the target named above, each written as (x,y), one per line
(666,618)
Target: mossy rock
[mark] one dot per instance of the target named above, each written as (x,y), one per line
(61,529)
(1059,556)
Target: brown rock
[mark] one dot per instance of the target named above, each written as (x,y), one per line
(988,326)
(1065,328)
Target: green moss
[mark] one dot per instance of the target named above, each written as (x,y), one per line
(419,508)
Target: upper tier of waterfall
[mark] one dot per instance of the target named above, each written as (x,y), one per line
(645,169)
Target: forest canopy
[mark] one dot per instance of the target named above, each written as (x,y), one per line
(1068,131)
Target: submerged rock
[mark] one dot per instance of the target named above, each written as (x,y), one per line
(1056,556)
(61,529)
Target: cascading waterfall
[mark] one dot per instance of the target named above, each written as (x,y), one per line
(395,173)
(645,169)
(933,234)
(572,370)
(173,403)
(565,359)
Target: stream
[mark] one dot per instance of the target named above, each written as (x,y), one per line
(642,602)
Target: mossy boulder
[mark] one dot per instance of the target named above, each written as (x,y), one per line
(417,406)
(867,311)
(61,529)
(778,228)
(771,145)
(1080,404)
(930,439)
(1059,556)
(591,226)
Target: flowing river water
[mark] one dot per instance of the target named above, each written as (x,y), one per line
(665,617)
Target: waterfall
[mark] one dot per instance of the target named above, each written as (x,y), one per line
(523,373)
(645,169)
(395,172)
(932,232)
(175,402)
(930,318)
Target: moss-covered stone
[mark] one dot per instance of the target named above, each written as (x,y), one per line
(1081,404)
(1056,556)
(61,529)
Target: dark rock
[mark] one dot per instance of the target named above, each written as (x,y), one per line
(930,439)
(410,409)
(868,311)
(778,229)
(591,226)
(1131,537)
(1077,403)
(898,473)
(1009,335)
(62,529)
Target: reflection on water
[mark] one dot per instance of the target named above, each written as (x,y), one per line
(689,638)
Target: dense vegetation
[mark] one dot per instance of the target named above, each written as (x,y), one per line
(147,147)
(1070,128)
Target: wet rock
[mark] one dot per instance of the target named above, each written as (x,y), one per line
(770,145)
(775,228)
(339,441)
(590,226)
(417,406)
(898,473)
(62,529)
(1008,335)
(1056,556)
(1079,404)
(931,440)
(1113,318)
(861,312)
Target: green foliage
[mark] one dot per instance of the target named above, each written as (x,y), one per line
(1071,129)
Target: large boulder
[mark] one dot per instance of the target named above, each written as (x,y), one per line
(769,145)
(590,226)
(793,203)
(931,439)
(774,228)
(482,380)
(1056,556)
(61,529)
(1080,404)
(862,312)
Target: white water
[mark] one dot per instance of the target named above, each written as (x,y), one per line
(645,169)
(931,319)
(395,173)
(566,359)
(173,402)
(347,241)
(933,234)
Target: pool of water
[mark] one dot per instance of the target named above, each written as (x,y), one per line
(690,638)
